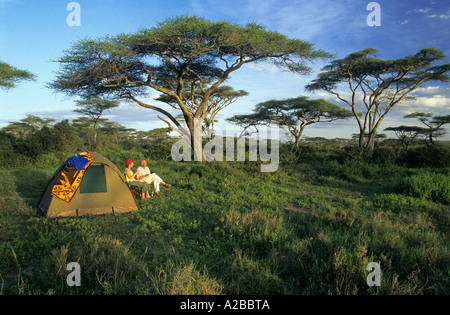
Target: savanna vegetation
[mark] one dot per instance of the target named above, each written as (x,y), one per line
(311,227)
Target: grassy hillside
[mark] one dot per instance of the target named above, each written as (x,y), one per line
(226,228)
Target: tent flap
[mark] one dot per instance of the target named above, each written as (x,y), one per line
(71,176)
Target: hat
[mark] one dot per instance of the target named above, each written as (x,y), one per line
(128,162)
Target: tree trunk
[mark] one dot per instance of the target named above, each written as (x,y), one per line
(371,140)
(95,140)
(431,135)
(195,129)
(373,128)
(361,139)
(297,142)
(298,135)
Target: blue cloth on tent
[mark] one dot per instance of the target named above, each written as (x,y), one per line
(78,161)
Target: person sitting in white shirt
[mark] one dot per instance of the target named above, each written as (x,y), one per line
(145,175)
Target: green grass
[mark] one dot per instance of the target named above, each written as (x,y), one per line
(226,228)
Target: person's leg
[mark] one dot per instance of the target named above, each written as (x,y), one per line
(146,188)
(160,181)
(155,180)
(143,187)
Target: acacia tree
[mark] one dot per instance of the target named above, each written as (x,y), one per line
(295,114)
(378,84)
(438,122)
(180,58)
(434,124)
(94,108)
(407,134)
(10,76)
(116,133)
(247,122)
(27,125)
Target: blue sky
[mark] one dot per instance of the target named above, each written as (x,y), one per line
(35,33)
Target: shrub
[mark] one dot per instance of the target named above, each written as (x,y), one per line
(160,151)
(431,186)
(398,202)
(352,154)
(328,168)
(437,155)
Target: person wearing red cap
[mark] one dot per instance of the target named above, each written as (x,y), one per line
(132,182)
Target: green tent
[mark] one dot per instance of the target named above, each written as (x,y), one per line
(102,189)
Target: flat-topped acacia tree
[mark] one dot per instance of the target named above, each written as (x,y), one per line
(294,114)
(378,84)
(182,58)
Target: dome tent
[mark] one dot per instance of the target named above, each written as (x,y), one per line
(87,183)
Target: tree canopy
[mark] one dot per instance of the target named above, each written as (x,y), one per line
(434,124)
(93,108)
(407,134)
(295,114)
(181,57)
(10,76)
(27,125)
(378,84)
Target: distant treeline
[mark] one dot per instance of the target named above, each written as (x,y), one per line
(32,138)
(45,143)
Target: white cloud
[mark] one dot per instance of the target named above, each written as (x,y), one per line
(307,20)
(310,19)
(432,99)
(263,67)
(432,91)
(435,102)
(50,112)
(424,10)
(442,16)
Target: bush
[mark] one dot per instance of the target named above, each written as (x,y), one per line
(384,154)
(352,154)
(7,154)
(431,186)
(437,155)
(160,151)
